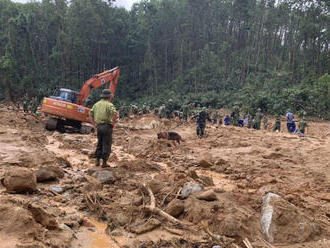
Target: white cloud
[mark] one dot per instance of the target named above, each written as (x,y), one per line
(127,4)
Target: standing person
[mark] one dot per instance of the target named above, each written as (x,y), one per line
(235,115)
(277,125)
(25,103)
(201,122)
(185,112)
(290,124)
(104,115)
(257,119)
(303,125)
(226,120)
(246,121)
(265,122)
(169,109)
(34,105)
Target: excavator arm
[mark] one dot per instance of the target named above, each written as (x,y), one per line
(97,81)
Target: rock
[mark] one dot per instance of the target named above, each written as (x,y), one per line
(193,174)
(208,195)
(175,208)
(63,162)
(42,217)
(104,176)
(282,222)
(204,164)
(92,184)
(207,181)
(122,219)
(49,173)
(190,188)
(146,227)
(220,162)
(65,227)
(86,223)
(56,188)
(19,180)
(155,186)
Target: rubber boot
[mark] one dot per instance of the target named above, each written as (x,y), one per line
(97,163)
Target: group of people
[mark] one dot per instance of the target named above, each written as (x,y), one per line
(194,111)
(30,105)
(104,116)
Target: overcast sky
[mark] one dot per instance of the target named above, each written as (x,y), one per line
(125,3)
(120,3)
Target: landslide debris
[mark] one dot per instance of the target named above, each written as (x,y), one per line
(214,188)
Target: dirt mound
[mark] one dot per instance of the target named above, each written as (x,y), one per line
(27,225)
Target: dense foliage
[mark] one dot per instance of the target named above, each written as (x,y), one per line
(261,53)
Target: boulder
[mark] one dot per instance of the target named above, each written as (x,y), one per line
(282,222)
(49,173)
(19,180)
(208,195)
(175,208)
(189,189)
(104,176)
(204,163)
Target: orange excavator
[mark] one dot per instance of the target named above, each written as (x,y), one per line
(69,108)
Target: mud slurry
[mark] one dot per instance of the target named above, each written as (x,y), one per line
(240,165)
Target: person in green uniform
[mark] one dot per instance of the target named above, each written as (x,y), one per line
(265,122)
(34,105)
(25,103)
(257,119)
(104,115)
(169,109)
(303,125)
(185,112)
(277,125)
(235,115)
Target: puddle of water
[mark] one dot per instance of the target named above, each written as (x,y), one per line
(97,239)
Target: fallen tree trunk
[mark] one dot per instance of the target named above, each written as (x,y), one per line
(153,209)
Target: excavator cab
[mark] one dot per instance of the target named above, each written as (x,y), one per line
(66,95)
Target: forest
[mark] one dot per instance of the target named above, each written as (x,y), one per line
(263,54)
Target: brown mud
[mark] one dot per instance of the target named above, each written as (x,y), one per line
(239,165)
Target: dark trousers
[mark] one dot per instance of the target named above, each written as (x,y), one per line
(200,129)
(104,141)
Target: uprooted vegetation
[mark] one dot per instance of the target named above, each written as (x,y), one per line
(234,188)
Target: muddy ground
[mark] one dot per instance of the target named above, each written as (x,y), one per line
(236,166)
